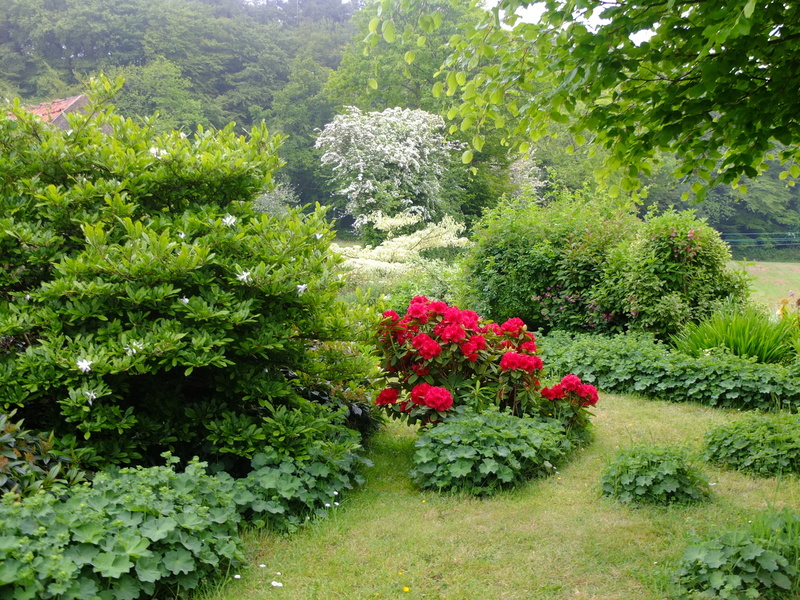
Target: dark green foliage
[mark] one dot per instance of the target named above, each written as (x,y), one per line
(760,561)
(28,461)
(134,532)
(744,331)
(760,444)
(637,364)
(481,453)
(674,272)
(654,475)
(542,264)
(144,304)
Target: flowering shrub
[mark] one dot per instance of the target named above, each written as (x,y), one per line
(437,357)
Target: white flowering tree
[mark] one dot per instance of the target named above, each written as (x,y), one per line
(390,162)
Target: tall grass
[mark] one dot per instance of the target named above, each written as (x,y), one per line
(744,331)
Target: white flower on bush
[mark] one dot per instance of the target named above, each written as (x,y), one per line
(244,277)
(183,300)
(133,348)
(386,160)
(318,235)
(84,365)
(229,220)
(158,152)
(90,396)
(301,289)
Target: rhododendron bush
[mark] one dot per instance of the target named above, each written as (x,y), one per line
(438,357)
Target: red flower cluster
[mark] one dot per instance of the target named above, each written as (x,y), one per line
(512,361)
(428,347)
(571,388)
(387,396)
(437,398)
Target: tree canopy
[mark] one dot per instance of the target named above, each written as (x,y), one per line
(713,82)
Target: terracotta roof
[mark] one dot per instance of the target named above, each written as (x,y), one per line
(49,111)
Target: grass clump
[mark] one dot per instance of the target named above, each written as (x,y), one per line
(760,444)
(654,475)
(480,453)
(745,331)
(761,561)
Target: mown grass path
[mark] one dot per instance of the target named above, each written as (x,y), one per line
(552,539)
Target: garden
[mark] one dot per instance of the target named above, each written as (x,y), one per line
(201,398)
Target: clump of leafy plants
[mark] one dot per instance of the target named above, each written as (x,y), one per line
(744,331)
(654,475)
(481,453)
(133,532)
(760,561)
(759,444)
(28,461)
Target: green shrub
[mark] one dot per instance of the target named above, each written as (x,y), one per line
(543,263)
(283,492)
(743,330)
(673,272)
(760,444)
(134,532)
(480,453)
(762,561)
(636,364)
(654,475)
(145,305)
(28,462)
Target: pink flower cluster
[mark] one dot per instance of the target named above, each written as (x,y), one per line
(573,389)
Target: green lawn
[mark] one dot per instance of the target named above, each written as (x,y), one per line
(772,281)
(552,539)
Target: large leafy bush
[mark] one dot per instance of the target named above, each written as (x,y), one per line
(543,263)
(637,364)
(144,303)
(673,272)
(480,453)
(761,444)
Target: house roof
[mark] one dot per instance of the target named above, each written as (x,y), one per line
(50,111)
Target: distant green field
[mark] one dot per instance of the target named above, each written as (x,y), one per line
(773,281)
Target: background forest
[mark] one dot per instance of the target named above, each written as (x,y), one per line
(295,65)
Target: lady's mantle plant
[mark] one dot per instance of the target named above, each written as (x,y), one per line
(144,303)
(437,357)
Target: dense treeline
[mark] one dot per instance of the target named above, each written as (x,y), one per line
(295,64)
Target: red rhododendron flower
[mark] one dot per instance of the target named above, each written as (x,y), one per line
(390,314)
(418,393)
(528,347)
(553,393)
(479,341)
(571,382)
(428,347)
(418,311)
(453,334)
(387,396)
(589,394)
(512,361)
(419,300)
(470,350)
(438,398)
(469,318)
(404,407)
(452,315)
(437,308)
(513,325)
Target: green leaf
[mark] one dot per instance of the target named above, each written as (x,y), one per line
(466,157)
(388,31)
(111,564)
(409,56)
(179,561)
(373,83)
(148,568)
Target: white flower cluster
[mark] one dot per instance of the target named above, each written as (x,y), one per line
(389,161)
(397,256)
